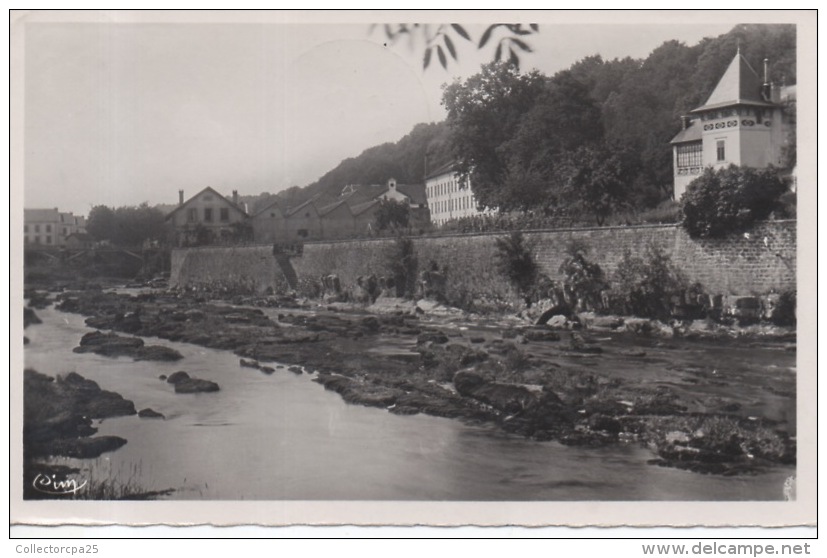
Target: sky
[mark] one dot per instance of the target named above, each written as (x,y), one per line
(120,113)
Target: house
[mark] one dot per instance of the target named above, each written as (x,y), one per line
(50,227)
(743,122)
(79,241)
(208,218)
(448,196)
(270,224)
(414,196)
(303,222)
(364,217)
(336,220)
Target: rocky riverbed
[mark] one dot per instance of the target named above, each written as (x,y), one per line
(589,381)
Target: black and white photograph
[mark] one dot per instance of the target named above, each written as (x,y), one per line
(328,267)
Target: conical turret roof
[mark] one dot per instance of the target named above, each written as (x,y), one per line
(739,85)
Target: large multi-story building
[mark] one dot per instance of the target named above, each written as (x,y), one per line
(449,196)
(50,227)
(742,123)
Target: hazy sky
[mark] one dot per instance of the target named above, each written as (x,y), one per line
(122,113)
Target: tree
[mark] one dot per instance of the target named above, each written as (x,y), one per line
(563,119)
(597,180)
(101,222)
(392,214)
(483,113)
(126,226)
(729,200)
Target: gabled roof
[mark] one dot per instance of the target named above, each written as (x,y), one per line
(692,133)
(739,85)
(269,206)
(211,190)
(362,207)
(447,168)
(332,207)
(308,203)
(416,192)
(49,215)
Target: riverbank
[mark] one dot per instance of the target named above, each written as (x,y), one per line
(594,386)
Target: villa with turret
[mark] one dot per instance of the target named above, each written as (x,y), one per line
(743,122)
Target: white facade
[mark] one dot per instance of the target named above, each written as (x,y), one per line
(742,123)
(50,227)
(449,197)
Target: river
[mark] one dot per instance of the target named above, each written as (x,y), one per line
(283,437)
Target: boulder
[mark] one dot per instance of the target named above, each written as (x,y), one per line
(466,382)
(436,337)
(149,413)
(540,334)
(195,385)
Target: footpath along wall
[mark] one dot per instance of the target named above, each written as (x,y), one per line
(758,263)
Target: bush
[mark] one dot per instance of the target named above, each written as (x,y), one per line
(401,263)
(647,287)
(583,281)
(730,200)
(515,261)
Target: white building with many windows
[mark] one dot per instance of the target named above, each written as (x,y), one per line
(50,227)
(449,197)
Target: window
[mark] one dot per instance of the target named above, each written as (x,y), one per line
(224,214)
(208,214)
(48,239)
(207,197)
(25,228)
(689,155)
(192,215)
(302,233)
(37,228)
(48,228)
(25,239)
(37,240)
(65,231)
(721,150)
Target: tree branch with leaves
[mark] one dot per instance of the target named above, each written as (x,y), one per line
(440,41)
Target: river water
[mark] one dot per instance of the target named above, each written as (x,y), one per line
(283,437)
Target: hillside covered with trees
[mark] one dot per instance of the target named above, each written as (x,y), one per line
(590,140)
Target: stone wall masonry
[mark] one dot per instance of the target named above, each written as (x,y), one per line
(250,268)
(761,262)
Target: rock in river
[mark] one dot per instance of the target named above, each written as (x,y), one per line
(114,345)
(184,383)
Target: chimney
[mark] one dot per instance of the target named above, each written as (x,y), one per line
(766,88)
(235,197)
(685,122)
(180,197)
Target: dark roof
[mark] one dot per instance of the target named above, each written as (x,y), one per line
(739,85)
(331,207)
(416,192)
(294,210)
(444,169)
(692,133)
(362,207)
(212,190)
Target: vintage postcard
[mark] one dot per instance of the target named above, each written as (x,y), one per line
(413,268)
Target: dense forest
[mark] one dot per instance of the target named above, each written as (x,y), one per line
(604,125)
